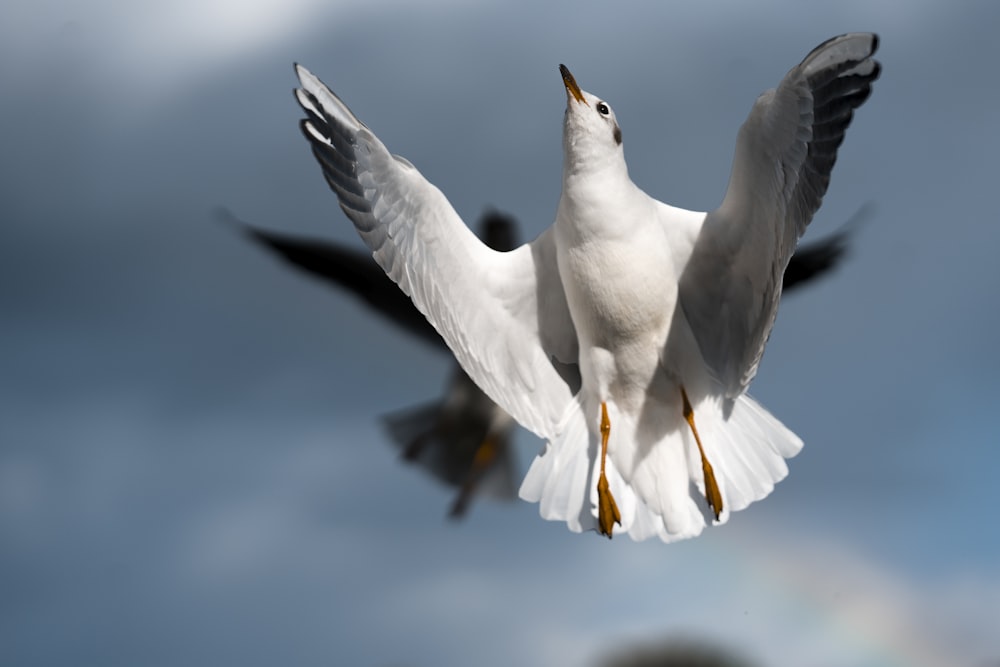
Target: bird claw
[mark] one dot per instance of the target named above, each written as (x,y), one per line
(607,508)
(712,493)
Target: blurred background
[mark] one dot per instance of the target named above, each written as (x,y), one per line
(192,470)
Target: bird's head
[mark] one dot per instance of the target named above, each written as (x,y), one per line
(590,131)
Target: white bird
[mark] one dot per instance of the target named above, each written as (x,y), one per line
(627,333)
(463,438)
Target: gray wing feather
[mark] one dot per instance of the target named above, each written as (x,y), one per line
(785,152)
(485,304)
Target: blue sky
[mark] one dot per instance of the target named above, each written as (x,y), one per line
(191,468)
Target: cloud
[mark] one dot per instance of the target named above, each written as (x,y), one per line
(140,54)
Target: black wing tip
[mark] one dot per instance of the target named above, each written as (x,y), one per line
(873,45)
(318,127)
(300,70)
(297,68)
(873,40)
(877,72)
(304,124)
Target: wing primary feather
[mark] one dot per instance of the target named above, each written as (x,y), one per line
(485,304)
(785,154)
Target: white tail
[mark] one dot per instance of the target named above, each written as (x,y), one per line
(661,491)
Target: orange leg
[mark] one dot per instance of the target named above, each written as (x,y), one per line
(607,509)
(712,494)
(484,457)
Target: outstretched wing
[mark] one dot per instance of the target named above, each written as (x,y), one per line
(785,151)
(503,314)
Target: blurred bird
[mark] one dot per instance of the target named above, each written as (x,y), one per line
(625,335)
(464,439)
(675,653)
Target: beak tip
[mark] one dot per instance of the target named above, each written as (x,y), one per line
(571,85)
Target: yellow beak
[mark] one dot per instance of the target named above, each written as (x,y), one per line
(570,84)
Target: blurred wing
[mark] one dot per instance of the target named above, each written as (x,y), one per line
(785,152)
(814,260)
(819,258)
(504,315)
(352,270)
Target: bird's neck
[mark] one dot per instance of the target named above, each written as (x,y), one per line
(592,202)
(583,157)
(592,182)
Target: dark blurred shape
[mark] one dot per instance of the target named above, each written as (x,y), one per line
(813,259)
(463,440)
(676,653)
(353,270)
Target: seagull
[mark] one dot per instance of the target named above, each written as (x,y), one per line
(464,439)
(626,334)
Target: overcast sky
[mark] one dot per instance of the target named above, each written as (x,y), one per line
(192,471)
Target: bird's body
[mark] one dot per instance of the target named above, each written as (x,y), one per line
(625,335)
(617,269)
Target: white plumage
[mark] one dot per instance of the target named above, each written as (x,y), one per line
(625,304)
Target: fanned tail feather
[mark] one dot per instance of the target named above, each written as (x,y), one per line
(559,477)
(748,450)
(661,491)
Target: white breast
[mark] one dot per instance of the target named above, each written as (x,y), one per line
(621,286)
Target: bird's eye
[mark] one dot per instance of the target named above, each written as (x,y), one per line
(603,109)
